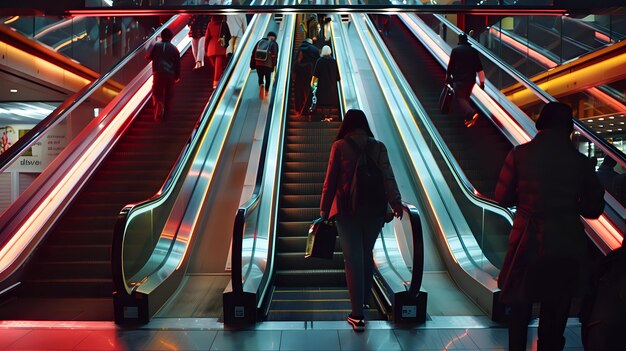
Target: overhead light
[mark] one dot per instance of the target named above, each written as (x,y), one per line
(13,90)
(611,117)
(600,119)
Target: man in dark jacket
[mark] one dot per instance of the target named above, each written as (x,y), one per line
(552,185)
(462,69)
(165,59)
(264,59)
(303,67)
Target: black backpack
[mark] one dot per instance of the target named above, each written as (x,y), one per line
(367,196)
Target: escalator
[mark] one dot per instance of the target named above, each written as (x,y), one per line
(481,149)
(70,272)
(305,289)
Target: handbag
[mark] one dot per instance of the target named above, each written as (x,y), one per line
(445,99)
(313,100)
(224,36)
(321,239)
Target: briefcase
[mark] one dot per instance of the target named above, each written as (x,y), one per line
(320,242)
(445,99)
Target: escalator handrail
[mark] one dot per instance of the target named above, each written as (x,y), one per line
(417,271)
(61,112)
(457,171)
(254,200)
(174,177)
(544,96)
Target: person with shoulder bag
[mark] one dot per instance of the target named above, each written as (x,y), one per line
(197,30)
(216,41)
(359,213)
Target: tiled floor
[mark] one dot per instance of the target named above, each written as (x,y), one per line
(208,334)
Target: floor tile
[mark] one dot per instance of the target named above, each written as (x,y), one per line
(313,340)
(249,340)
(369,340)
(457,339)
(182,340)
(51,339)
(103,340)
(490,338)
(427,339)
(9,336)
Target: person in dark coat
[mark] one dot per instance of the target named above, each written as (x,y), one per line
(325,78)
(303,67)
(463,67)
(197,30)
(357,231)
(165,59)
(606,173)
(552,185)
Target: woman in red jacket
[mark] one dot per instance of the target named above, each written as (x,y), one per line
(357,227)
(214,48)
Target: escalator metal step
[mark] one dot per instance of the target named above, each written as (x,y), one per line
(293,229)
(297,244)
(304,177)
(305,166)
(301,189)
(297,261)
(298,214)
(316,277)
(287,201)
(308,156)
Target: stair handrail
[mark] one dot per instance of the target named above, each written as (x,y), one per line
(61,112)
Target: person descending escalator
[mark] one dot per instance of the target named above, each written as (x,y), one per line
(306,57)
(463,66)
(552,185)
(165,59)
(359,213)
(324,83)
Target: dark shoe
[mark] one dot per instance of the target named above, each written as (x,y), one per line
(358,324)
(261,91)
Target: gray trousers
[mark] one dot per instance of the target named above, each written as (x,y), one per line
(358,236)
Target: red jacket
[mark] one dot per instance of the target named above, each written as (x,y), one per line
(212,45)
(340,170)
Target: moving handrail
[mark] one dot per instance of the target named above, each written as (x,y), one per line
(69,105)
(540,93)
(459,245)
(604,233)
(28,219)
(152,238)
(399,284)
(254,220)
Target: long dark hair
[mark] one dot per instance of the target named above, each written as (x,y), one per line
(354,119)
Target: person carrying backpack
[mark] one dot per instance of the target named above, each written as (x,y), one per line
(166,72)
(264,57)
(360,193)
